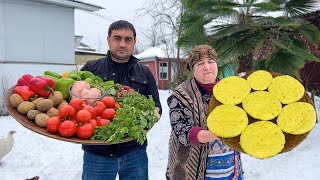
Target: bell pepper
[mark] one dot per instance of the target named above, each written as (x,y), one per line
(74,74)
(65,74)
(42,85)
(25,92)
(62,85)
(87,74)
(24,80)
(51,73)
(89,80)
(98,80)
(53,78)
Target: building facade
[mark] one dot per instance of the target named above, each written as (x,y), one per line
(36,35)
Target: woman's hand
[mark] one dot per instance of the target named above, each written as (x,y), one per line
(205,136)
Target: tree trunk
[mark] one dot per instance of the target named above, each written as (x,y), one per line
(245,63)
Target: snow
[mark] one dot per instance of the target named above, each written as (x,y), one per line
(150,53)
(50,159)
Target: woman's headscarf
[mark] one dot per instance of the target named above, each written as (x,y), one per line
(199,53)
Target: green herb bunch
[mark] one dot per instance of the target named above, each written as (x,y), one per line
(133,119)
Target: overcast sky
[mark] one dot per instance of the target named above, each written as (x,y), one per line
(94,28)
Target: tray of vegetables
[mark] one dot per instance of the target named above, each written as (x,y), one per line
(79,107)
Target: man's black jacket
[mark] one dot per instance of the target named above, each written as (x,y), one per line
(138,77)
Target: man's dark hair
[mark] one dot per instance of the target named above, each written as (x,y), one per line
(121,24)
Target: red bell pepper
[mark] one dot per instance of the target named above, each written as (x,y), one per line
(42,86)
(24,80)
(25,92)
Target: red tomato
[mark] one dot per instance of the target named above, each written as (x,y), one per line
(117,106)
(53,124)
(102,122)
(93,122)
(108,113)
(83,116)
(85,131)
(98,118)
(109,101)
(99,106)
(67,112)
(77,103)
(67,128)
(91,110)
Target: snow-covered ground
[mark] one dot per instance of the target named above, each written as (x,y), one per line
(50,159)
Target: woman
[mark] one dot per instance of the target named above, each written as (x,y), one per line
(194,152)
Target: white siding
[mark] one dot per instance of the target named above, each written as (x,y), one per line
(34,37)
(36,32)
(2,48)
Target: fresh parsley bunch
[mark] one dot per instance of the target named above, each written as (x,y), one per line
(133,119)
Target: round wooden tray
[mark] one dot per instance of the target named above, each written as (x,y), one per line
(291,140)
(23,120)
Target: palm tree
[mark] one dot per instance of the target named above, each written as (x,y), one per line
(245,33)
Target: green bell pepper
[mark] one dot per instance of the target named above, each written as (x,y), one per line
(87,74)
(62,85)
(98,80)
(89,80)
(51,73)
(74,74)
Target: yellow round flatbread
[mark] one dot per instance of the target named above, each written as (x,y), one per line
(262,139)
(231,90)
(261,105)
(227,121)
(286,88)
(297,118)
(259,80)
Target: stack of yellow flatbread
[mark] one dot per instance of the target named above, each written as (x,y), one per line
(273,104)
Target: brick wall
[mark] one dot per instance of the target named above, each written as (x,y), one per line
(83,58)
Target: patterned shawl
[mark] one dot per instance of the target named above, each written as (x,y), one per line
(188,162)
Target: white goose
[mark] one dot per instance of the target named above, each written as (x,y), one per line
(6,144)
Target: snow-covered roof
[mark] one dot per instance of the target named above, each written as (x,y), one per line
(151,53)
(77,34)
(83,50)
(73,4)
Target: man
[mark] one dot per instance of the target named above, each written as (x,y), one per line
(128,159)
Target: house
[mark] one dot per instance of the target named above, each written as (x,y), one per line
(310,73)
(84,52)
(83,56)
(163,69)
(36,35)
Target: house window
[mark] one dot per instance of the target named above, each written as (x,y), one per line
(163,71)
